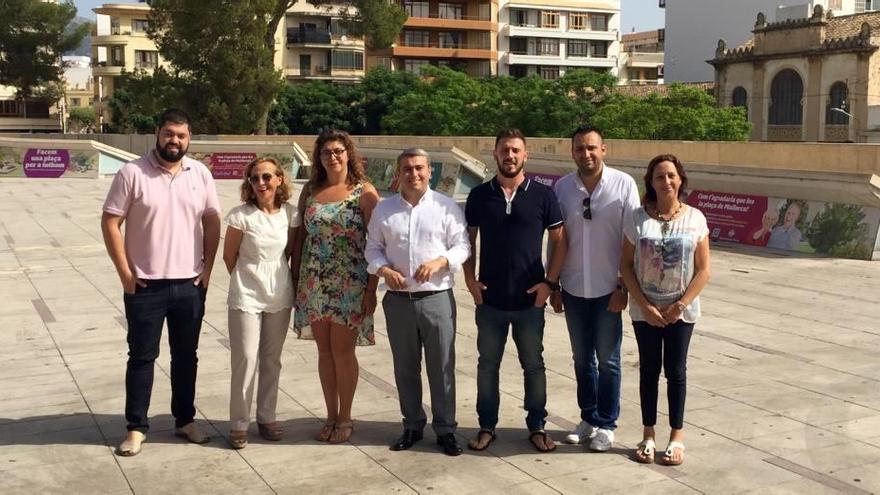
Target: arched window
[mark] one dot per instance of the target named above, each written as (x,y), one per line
(837,99)
(740,98)
(786,94)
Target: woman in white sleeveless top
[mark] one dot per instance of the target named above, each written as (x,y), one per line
(257,254)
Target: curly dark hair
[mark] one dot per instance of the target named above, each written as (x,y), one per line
(650,197)
(282,194)
(355,163)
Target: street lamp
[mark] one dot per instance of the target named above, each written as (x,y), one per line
(844,112)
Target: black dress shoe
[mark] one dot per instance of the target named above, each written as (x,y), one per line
(449,444)
(406,440)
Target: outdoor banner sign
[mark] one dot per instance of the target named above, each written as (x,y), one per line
(230,165)
(835,229)
(45,163)
(548,180)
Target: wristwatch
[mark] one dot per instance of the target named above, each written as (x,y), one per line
(554,286)
(621,288)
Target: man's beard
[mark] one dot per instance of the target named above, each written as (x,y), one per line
(512,174)
(170,156)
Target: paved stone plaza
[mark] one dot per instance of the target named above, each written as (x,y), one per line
(784,385)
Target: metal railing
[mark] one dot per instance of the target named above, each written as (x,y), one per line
(296,36)
(438,44)
(453,18)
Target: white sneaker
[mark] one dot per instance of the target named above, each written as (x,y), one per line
(582,432)
(602,441)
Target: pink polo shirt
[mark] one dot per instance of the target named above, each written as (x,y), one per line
(163,215)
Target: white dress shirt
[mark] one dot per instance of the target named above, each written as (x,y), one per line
(404,236)
(592,265)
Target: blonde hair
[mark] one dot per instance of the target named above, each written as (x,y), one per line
(282,193)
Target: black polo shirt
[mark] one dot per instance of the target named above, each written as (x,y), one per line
(511,240)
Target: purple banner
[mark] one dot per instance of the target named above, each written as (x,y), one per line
(45,164)
(546,179)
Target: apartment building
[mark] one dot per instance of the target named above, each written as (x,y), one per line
(462,34)
(548,37)
(119,42)
(316,46)
(641,58)
(694,27)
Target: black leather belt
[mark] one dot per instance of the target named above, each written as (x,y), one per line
(416,295)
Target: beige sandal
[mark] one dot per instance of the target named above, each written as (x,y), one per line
(669,455)
(270,431)
(238,439)
(338,436)
(645,451)
(325,432)
(132,445)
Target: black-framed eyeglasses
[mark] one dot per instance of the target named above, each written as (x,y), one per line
(588,213)
(337,152)
(256,179)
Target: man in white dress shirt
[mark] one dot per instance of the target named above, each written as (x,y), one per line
(417,241)
(596,201)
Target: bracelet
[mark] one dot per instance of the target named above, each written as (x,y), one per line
(554,286)
(680,305)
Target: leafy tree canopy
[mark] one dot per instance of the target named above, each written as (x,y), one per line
(33,36)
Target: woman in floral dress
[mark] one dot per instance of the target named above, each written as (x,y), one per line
(335,297)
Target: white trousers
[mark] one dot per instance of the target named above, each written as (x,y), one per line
(255,342)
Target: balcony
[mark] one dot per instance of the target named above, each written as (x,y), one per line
(472,23)
(646,60)
(444,50)
(531,31)
(323,72)
(111,39)
(299,37)
(109,68)
(536,57)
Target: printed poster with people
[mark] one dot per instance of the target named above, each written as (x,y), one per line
(47,163)
(835,229)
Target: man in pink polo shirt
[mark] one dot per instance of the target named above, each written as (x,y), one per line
(169,205)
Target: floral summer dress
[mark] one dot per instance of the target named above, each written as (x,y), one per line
(333,273)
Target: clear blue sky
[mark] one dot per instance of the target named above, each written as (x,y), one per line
(641,14)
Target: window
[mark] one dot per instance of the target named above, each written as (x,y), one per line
(549,73)
(599,22)
(414,66)
(449,10)
(75,102)
(114,26)
(519,17)
(117,56)
(8,108)
(449,40)
(578,48)
(577,21)
(837,100)
(598,49)
(144,59)
(139,25)
(786,93)
(548,46)
(483,68)
(549,19)
(347,59)
(518,71)
(416,38)
(740,97)
(337,28)
(519,45)
(416,9)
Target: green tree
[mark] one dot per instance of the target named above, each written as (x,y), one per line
(441,104)
(309,108)
(836,226)
(380,88)
(81,119)
(684,113)
(140,97)
(378,21)
(33,36)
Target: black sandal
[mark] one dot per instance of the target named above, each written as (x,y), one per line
(543,434)
(474,443)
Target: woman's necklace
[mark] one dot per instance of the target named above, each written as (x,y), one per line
(665,218)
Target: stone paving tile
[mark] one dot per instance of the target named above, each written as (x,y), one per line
(783,391)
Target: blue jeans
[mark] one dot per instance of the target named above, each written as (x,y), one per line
(528,334)
(182,304)
(596,335)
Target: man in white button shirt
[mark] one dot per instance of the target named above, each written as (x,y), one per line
(595,201)
(417,241)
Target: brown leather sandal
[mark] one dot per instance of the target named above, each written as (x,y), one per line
(342,432)
(325,432)
(270,431)
(238,439)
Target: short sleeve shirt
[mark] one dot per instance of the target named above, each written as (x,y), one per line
(163,214)
(511,239)
(261,279)
(664,258)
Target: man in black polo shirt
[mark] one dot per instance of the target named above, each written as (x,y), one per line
(511,213)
